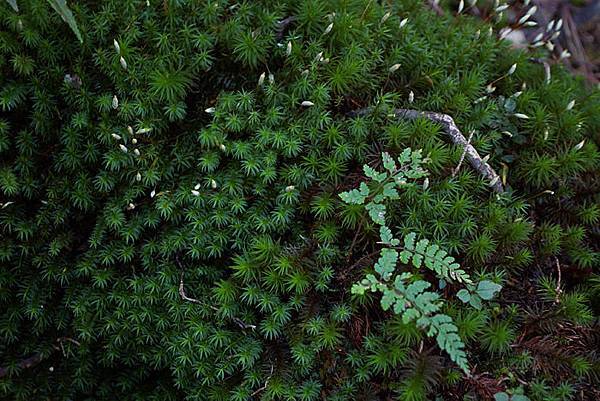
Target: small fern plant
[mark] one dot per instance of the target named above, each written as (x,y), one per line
(404,293)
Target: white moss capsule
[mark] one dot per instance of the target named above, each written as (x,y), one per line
(501,8)
(521,116)
(123,63)
(129,130)
(134,141)
(559,25)
(411,97)
(138,177)
(490,88)
(538,37)
(523,19)
(131,206)
(530,24)
(328,29)
(579,145)
(271,79)
(550,26)
(261,79)
(546,134)
(307,103)
(213,184)
(318,57)
(115,102)
(117,137)
(195,193)
(571,104)
(394,68)
(222,147)
(123,148)
(517,94)
(512,69)
(117,47)
(461,6)
(426,184)
(210,110)
(532,10)
(403,23)
(136,152)
(197,186)
(288,50)
(385,17)
(143,130)
(289,188)
(153,193)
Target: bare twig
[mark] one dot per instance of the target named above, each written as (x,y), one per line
(558,290)
(69,339)
(264,386)
(184,296)
(24,364)
(452,131)
(282,27)
(462,156)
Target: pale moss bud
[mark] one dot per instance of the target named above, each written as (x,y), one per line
(571,105)
(117,47)
(123,148)
(307,103)
(213,184)
(115,102)
(123,63)
(385,17)
(394,68)
(579,145)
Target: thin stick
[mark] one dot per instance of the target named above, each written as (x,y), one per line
(264,386)
(462,156)
(25,363)
(184,296)
(558,290)
(452,131)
